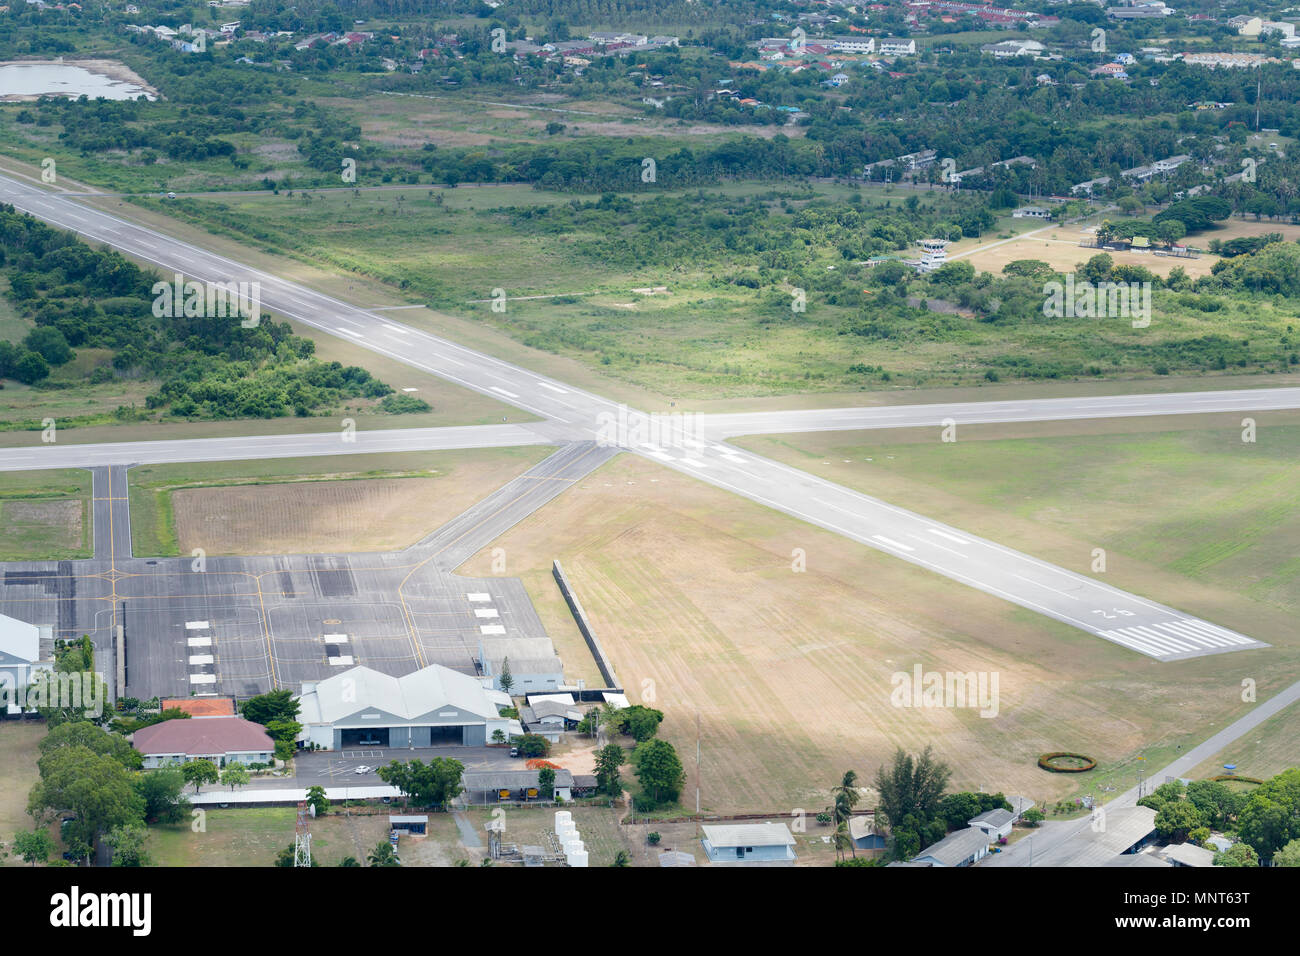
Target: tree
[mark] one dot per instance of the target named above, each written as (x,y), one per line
(199,772)
(1033,817)
(1176,819)
(349,861)
(235,775)
(1271,817)
(639,722)
(34,846)
(434,784)
(621,859)
(546,783)
(161,792)
(1239,854)
(532,745)
(383,855)
(911,786)
(1289,855)
(608,780)
(506,680)
(82,733)
(30,368)
(128,845)
(276,705)
(96,788)
(660,770)
(316,798)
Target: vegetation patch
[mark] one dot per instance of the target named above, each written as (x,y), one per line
(1062,761)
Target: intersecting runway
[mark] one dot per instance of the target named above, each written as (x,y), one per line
(573,415)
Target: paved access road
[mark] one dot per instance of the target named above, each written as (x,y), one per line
(575,415)
(1020,853)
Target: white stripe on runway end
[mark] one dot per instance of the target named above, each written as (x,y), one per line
(892,543)
(355,335)
(553,388)
(397,329)
(492,629)
(497,388)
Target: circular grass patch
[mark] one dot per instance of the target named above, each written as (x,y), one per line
(1064,762)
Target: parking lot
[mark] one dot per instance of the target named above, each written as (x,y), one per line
(326,767)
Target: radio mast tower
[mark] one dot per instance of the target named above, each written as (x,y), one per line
(302,839)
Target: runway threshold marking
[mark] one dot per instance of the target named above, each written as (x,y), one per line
(506,393)
(892,543)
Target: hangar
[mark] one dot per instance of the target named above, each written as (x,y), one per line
(434,706)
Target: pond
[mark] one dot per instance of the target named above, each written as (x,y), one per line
(20,81)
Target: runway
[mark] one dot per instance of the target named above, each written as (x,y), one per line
(1136,623)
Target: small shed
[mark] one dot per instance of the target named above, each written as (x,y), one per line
(416,824)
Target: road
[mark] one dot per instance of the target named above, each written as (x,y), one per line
(1020,854)
(572,414)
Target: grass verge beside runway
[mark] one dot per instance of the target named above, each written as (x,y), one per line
(1186,512)
(313,505)
(18,756)
(693,593)
(45,515)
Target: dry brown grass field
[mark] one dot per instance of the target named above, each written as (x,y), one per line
(314,515)
(1059,247)
(18,754)
(692,591)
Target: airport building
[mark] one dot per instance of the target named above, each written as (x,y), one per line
(431,707)
(24,650)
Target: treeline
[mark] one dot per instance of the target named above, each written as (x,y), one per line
(208,367)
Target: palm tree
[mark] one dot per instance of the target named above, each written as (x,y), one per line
(349,861)
(383,855)
(846,798)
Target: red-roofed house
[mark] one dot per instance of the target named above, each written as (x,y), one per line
(219,739)
(201,706)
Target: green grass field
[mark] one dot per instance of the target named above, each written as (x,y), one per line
(1190,501)
(45,515)
(705,336)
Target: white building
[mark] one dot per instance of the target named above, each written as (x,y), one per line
(897,48)
(853,44)
(752,843)
(960,848)
(995,823)
(24,650)
(435,706)
(932,254)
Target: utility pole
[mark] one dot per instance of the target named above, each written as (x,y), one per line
(697,763)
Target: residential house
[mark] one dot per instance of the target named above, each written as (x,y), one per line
(995,823)
(959,848)
(223,740)
(757,843)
